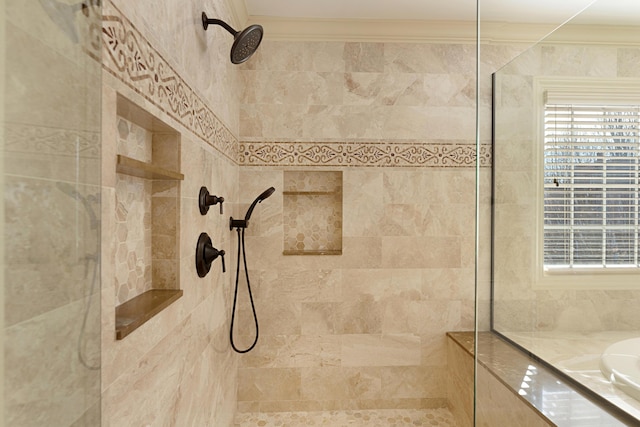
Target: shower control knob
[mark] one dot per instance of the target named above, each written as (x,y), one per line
(205,200)
(206,254)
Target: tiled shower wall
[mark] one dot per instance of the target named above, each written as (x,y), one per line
(365,329)
(177,368)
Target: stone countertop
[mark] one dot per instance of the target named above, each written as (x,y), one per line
(551,393)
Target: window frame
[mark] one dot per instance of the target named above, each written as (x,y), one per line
(577,90)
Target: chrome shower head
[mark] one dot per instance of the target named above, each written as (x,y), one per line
(245,42)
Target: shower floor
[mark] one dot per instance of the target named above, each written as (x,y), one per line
(355,418)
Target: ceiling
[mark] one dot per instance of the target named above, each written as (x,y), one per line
(515,11)
(537,11)
(512,20)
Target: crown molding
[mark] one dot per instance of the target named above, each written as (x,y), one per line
(616,35)
(368,30)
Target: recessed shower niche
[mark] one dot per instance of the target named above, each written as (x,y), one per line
(312,210)
(147,221)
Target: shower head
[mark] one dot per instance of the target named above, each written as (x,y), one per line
(266,193)
(242,223)
(245,42)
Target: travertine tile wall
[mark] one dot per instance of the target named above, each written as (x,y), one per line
(366,328)
(519,307)
(178,368)
(460,383)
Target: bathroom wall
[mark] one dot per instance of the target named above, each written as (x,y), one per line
(518,305)
(365,328)
(177,368)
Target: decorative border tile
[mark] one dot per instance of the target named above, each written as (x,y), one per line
(21,138)
(362,154)
(128,56)
(132,59)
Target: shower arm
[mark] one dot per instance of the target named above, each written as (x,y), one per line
(206,21)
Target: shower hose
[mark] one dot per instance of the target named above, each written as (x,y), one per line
(235,295)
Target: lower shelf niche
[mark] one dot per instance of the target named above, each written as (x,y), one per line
(146,217)
(135,312)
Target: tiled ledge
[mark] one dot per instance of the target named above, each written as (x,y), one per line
(551,396)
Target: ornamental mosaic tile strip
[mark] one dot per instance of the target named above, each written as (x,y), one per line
(21,138)
(362,154)
(132,59)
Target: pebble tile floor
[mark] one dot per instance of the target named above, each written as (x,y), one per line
(355,418)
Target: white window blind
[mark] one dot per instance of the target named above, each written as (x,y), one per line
(591,185)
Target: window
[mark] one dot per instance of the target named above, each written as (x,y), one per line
(591,172)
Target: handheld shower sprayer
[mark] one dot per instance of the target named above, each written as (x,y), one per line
(240,225)
(244,223)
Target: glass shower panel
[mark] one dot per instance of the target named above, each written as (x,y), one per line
(565,191)
(505,31)
(51,76)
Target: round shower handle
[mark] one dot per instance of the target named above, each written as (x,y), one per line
(221,254)
(206,254)
(205,200)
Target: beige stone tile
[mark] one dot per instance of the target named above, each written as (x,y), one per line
(294,351)
(412,252)
(362,207)
(380,350)
(361,252)
(428,58)
(49,360)
(413,381)
(302,285)
(284,320)
(44,101)
(582,61)
(364,57)
(44,251)
(320,318)
(363,315)
(330,122)
(340,383)
(269,384)
(448,283)
(627,57)
(303,56)
(460,388)
(296,88)
(383,89)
